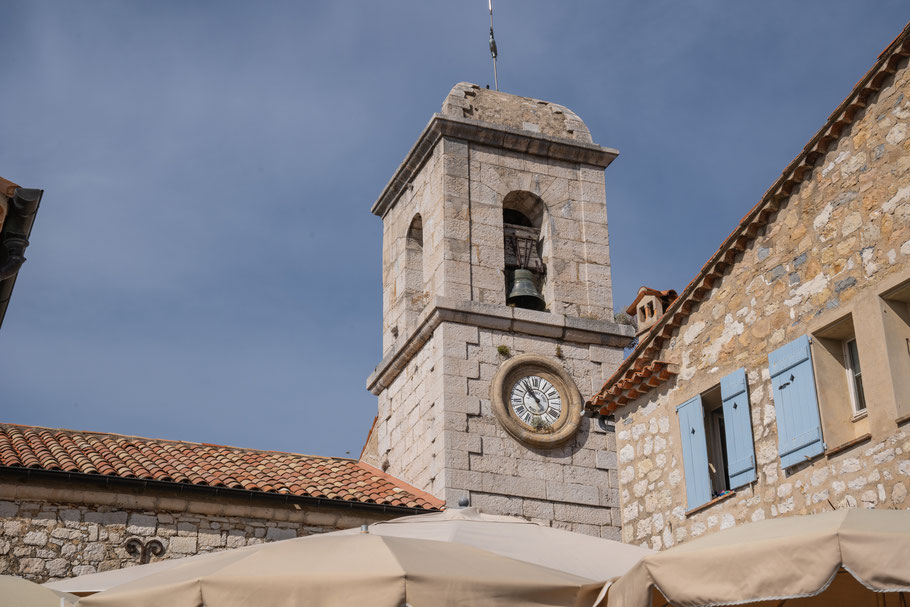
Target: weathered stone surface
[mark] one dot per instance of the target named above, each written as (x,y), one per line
(63,540)
(142,524)
(838,239)
(437,431)
(275,534)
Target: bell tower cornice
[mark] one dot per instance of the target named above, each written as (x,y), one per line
(571,329)
(490,134)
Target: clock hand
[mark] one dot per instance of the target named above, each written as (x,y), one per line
(531,392)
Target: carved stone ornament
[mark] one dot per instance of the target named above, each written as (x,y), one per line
(536,401)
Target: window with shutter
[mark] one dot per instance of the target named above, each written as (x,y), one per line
(734,390)
(799,432)
(895,306)
(695,452)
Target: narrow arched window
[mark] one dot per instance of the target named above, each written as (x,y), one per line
(414,253)
(415,290)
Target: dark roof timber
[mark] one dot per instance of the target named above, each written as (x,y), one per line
(628,382)
(15,228)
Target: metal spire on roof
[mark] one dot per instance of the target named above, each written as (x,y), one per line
(493,51)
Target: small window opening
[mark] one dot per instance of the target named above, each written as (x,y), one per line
(650,309)
(837,365)
(837,353)
(414,286)
(415,232)
(854,376)
(716,439)
(895,306)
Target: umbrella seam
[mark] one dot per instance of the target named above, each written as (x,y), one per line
(793,596)
(873,589)
(764,598)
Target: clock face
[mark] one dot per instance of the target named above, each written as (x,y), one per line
(536,401)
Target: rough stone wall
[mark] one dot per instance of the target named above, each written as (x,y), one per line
(434,428)
(409,427)
(574,486)
(401,305)
(467,100)
(839,240)
(42,540)
(436,431)
(459,194)
(574,231)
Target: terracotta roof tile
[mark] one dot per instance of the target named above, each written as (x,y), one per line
(205,465)
(625,385)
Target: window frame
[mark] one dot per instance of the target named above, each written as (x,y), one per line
(715,440)
(853,369)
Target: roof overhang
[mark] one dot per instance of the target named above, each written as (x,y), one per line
(20,206)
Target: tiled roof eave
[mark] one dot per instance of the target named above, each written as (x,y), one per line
(651,343)
(634,383)
(193,489)
(179,465)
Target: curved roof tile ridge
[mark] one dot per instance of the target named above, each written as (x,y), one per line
(168,462)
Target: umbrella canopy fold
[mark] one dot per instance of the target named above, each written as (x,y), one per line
(517,538)
(19,592)
(582,555)
(329,571)
(836,558)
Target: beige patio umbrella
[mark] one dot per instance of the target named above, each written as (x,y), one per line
(517,538)
(91,583)
(19,592)
(846,557)
(362,569)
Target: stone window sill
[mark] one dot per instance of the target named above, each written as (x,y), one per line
(904,419)
(707,505)
(861,415)
(847,445)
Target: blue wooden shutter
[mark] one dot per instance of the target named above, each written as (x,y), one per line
(738,429)
(799,432)
(695,452)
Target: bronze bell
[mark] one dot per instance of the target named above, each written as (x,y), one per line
(523,293)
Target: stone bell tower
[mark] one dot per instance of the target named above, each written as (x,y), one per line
(498,313)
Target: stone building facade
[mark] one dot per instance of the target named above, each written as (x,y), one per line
(794,336)
(73,503)
(489,160)
(809,294)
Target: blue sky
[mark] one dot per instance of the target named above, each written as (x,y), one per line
(204,265)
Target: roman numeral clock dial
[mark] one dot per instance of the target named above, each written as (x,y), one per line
(536,401)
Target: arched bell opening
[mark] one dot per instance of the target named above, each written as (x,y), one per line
(525,271)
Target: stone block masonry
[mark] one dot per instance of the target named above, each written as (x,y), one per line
(821,267)
(47,532)
(436,430)
(44,541)
(873,475)
(489,154)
